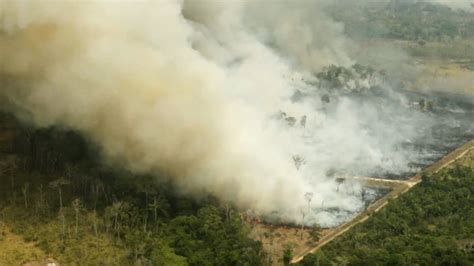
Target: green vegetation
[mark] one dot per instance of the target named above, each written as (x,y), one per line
(58,199)
(469,66)
(404,20)
(15,251)
(423,28)
(433,224)
(460,50)
(337,77)
(287,255)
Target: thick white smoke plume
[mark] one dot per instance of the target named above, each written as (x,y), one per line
(190,90)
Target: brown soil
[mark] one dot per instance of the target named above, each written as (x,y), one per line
(275,239)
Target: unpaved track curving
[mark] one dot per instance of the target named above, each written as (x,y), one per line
(399,187)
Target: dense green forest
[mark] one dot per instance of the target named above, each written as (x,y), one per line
(55,194)
(433,224)
(404,20)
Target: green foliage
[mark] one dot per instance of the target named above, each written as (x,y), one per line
(337,77)
(315,233)
(318,258)
(287,255)
(208,239)
(422,227)
(407,20)
(469,66)
(94,216)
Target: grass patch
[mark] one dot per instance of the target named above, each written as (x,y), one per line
(14,250)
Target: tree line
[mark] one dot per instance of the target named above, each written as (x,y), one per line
(55,193)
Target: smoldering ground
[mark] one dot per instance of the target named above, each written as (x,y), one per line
(197,90)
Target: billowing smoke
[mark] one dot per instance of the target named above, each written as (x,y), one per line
(204,93)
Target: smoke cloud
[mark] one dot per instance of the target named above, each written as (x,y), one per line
(190,91)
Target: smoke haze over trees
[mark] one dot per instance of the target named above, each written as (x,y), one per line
(191,92)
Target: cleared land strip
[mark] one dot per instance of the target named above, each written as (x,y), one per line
(382,182)
(399,187)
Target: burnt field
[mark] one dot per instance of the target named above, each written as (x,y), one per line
(404,131)
(370,142)
(451,125)
(454,126)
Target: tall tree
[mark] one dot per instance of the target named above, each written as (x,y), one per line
(298,161)
(287,255)
(118,211)
(315,233)
(24,191)
(303,214)
(309,196)
(77,206)
(58,184)
(340,181)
